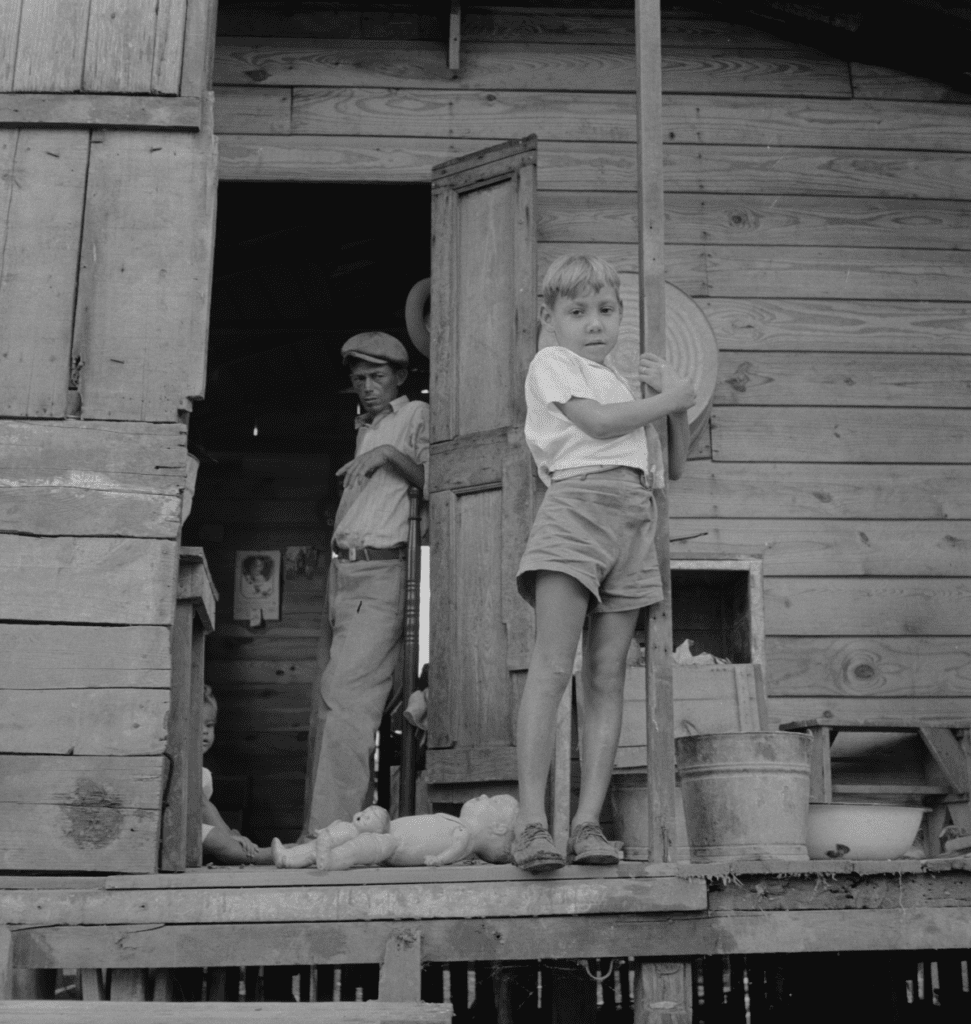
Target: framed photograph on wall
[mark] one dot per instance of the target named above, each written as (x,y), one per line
(256,590)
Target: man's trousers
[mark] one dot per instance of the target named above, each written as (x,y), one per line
(365,616)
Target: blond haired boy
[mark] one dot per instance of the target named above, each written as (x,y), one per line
(590,555)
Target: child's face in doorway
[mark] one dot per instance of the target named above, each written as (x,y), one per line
(208,728)
(588,324)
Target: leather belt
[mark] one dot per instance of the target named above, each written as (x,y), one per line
(371,554)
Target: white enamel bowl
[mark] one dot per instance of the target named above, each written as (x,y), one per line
(861,831)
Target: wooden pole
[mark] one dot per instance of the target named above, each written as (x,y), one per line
(650,181)
(406,794)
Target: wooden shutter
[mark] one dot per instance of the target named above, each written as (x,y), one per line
(484,331)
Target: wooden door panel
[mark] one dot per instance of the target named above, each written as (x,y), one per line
(481,477)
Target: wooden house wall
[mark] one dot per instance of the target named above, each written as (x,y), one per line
(104,257)
(817,211)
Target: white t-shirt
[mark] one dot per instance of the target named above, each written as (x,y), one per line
(556,375)
(207,794)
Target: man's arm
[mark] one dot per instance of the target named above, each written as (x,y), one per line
(358,471)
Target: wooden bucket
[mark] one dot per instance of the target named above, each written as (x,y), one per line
(746,795)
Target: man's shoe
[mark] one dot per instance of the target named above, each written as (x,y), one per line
(588,845)
(533,849)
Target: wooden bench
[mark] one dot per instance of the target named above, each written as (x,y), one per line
(62,1011)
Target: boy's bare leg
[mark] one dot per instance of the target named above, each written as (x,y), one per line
(561,607)
(604,669)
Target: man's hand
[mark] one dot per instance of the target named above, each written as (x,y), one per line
(357,472)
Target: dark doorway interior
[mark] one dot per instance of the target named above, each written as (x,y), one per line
(298,269)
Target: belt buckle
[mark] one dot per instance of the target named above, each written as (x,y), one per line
(352,554)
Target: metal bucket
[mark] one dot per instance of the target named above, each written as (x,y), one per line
(746,795)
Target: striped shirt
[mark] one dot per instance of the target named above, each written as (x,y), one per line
(558,374)
(376,515)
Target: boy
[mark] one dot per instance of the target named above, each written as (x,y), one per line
(590,554)
(365,589)
(220,843)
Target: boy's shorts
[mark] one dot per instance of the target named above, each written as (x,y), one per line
(599,529)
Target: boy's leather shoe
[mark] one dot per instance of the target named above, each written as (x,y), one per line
(533,849)
(588,845)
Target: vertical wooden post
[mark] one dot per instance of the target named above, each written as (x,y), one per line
(400,977)
(195,615)
(6,963)
(650,185)
(663,992)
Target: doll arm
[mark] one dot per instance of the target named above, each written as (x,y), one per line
(460,847)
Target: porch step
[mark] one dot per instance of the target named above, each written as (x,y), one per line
(43,1011)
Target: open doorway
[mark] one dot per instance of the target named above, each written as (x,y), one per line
(298,269)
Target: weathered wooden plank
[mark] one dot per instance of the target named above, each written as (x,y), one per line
(912,709)
(872,81)
(241,676)
(831,606)
(885,925)
(787,271)
(79,813)
(120,50)
(145,457)
(543,26)
(400,65)
(793,378)
(389,901)
(796,71)
(75,478)
(784,121)
(87,579)
(878,667)
(167,51)
(252,111)
(75,110)
(758,220)
(343,104)
(9,30)
(822,491)
(839,325)
(375,1012)
(34,657)
(50,46)
(148,225)
(42,175)
(610,166)
(824,547)
(840,435)
(199,48)
(102,721)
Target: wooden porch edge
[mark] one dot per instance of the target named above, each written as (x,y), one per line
(497,939)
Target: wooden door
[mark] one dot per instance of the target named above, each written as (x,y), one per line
(484,333)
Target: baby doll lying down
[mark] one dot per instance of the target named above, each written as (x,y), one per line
(483,829)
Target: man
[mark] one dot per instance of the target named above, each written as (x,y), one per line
(366,585)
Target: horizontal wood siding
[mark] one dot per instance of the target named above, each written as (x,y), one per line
(818,212)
